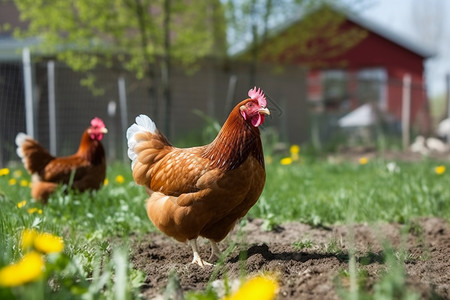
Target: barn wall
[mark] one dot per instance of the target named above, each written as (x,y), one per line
(376,51)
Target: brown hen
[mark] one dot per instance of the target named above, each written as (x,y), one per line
(48,172)
(201,191)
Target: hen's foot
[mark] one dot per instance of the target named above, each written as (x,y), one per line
(215,251)
(197,259)
(202,263)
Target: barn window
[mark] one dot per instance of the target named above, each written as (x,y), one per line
(371,86)
(335,93)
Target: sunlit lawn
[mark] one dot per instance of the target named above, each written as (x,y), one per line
(319,192)
(95,228)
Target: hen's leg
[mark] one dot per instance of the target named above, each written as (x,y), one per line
(215,251)
(197,259)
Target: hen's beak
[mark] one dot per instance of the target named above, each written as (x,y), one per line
(264,110)
(104,130)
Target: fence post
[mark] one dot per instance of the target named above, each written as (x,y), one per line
(28,85)
(447,85)
(231,91)
(51,106)
(123,114)
(112,108)
(406,110)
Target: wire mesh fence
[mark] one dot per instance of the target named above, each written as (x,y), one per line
(63,107)
(12,109)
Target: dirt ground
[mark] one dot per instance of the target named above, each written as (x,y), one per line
(313,271)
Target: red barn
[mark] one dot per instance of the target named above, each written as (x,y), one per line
(352,61)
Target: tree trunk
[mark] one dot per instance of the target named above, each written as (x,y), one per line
(141,13)
(165,70)
(257,42)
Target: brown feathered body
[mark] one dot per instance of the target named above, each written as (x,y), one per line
(199,191)
(48,172)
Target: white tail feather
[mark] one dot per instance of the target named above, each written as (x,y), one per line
(20,139)
(143,124)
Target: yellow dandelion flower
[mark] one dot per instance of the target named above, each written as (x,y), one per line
(40,211)
(32,210)
(22,203)
(257,288)
(120,179)
(12,181)
(106,181)
(286,161)
(439,170)
(4,171)
(17,173)
(43,242)
(24,182)
(294,149)
(28,269)
(28,237)
(48,243)
(363,160)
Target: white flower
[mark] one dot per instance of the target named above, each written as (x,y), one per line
(392,167)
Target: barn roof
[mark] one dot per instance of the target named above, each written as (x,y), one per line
(387,34)
(359,20)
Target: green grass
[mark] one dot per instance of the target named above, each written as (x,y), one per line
(96,227)
(322,193)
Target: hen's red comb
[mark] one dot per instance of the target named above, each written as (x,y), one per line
(97,122)
(258,94)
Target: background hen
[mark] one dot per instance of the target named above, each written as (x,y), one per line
(201,191)
(88,163)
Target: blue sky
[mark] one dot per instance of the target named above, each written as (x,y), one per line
(413,19)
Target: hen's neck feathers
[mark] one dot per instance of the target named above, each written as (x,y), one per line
(91,150)
(235,142)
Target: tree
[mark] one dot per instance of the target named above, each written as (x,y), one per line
(143,36)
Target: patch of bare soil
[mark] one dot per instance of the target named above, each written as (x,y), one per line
(312,269)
